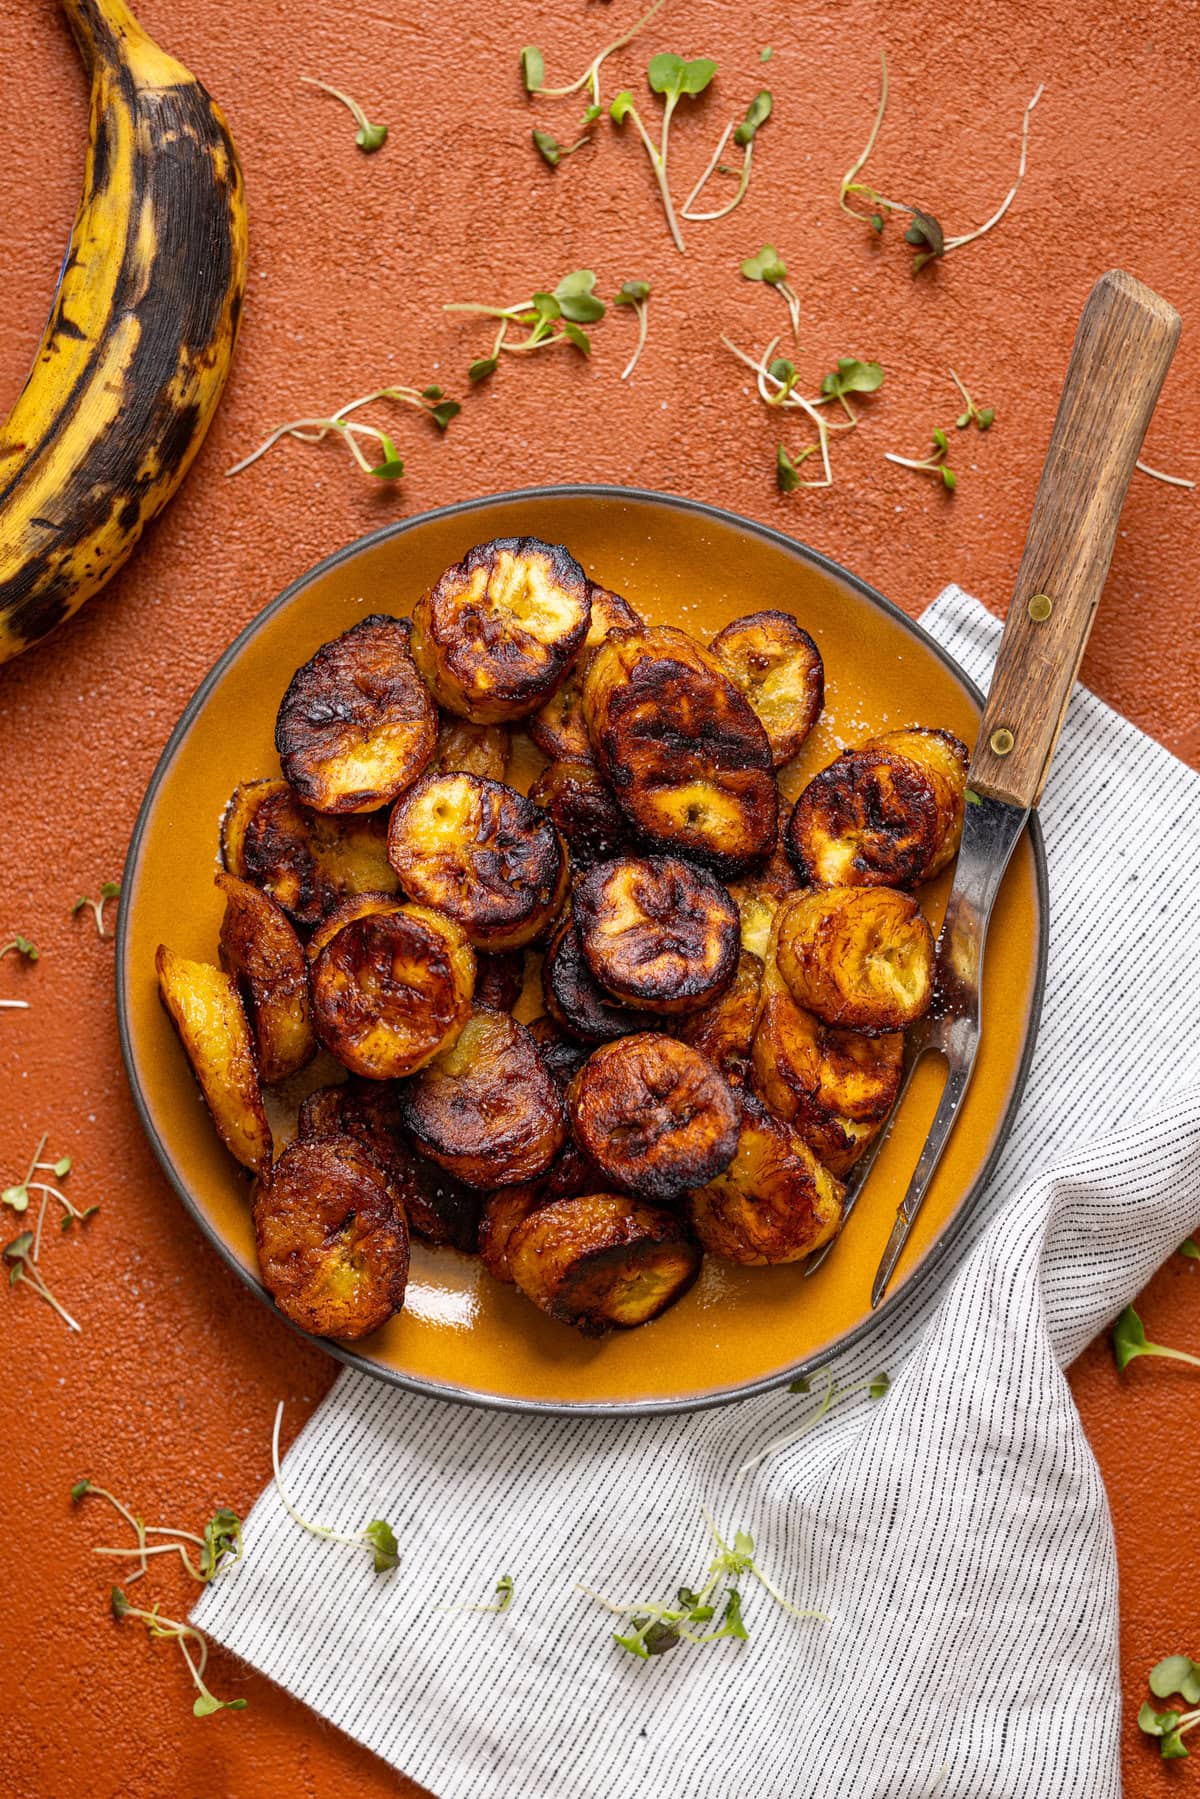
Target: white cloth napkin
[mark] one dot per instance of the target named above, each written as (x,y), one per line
(956,1532)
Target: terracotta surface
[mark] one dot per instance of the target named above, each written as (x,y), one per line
(168,1392)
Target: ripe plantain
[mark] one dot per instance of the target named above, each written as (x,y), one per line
(205,1007)
(774,1203)
(585,814)
(857,956)
(602,1261)
(140,335)
(559,728)
(779,669)
(654,1115)
(307,861)
(724,1030)
(657,932)
(871,819)
(261,950)
(944,758)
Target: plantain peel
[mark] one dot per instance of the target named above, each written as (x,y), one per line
(140,335)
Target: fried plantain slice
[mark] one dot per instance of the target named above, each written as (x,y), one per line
(391,984)
(580,801)
(501,1215)
(486,1109)
(575,999)
(496,633)
(857,956)
(307,861)
(467,749)
(483,853)
(774,1203)
(559,728)
(357,724)
(654,1115)
(868,820)
(944,758)
(332,1244)
(205,1008)
(564,1056)
(681,748)
(499,979)
(724,1030)
(260,949)
(438,1208)
(657,932)
(603,1261)
(779,669)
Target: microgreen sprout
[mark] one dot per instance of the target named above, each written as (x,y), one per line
(757,113)
(548,146)
(368,137)
(851,377)
(924,232)
(220,1546)
(428,400)
(876,1387)
(503,1590)
(28,951)
(766,53)
(533,64)
(635,294)
(1129,1341)
(672,78)
(1191,1249)
(983,417)
(1174,1675)
(777,387)
(23,1253)
(573,303)
(769,267)
(652,1629)
(376,1536)
(206,1703)
(109,890)
(1156,474)
(933,464)
(23,1268)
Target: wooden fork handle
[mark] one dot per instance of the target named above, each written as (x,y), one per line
(1123,349)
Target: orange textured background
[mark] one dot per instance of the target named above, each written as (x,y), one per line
(167,1395)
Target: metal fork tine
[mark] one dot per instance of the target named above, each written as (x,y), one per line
(957,1079)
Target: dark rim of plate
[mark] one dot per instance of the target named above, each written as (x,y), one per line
(933,1262)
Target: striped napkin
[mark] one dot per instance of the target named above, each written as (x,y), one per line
(955,1533)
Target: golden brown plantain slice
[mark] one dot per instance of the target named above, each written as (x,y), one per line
(481,852)
(681,748)
(501,1215)
(580,802)
(496,633)
(836,1087)
(657,932)
(467,749)
(868,820)
(204,1006)
(575,999)
(944,758)
(603,1261)
(438,1208)
(307,861)
(486,1109)
(857,956)
(357,724)
(774,1203)
(391,984)
(654,1115)
(260,949)
(332,1244)
(779,669)
(559,728)
(724,1031)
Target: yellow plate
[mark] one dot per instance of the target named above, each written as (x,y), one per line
(461,1334)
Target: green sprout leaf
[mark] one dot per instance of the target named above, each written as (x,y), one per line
(879,1386)
(576,296)
(207,1703)
(1129,1341)
(757,113)
(222,1540)
(382,1539)
(17,1197)
(368,137)
(853,377)
(23,947)
(1191,1249)
(972,798)
(391,467)
(801,1384)
(767,266)
(672,76)
(1176,1674)
(578,337)
(731,1617)
(766,53)
(630,292)
(949,478)
(118,1604)
(443,413)
(480,370)
(504,1593)
(533,68)
(79,1489)
(924,229)
(547,147)
(621,107)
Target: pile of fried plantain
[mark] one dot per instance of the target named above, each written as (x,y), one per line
(725,985)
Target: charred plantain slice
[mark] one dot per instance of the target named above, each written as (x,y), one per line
(499,979)
(496,633)
(603,1261)
(861,957)
(332,1244)
(483,853)
(260,949)
(575,999)
(654,1115)
(944,758)
(868,820)
(391,985)
(779,669)
(559,728)
(307,861)
(204,1005)
(486,1109)
(681,748)
(437,1207)
(774,1203)
(564,1056)
(724,1030)
(580,801)
(657,932)
(502,1213)
(357,724)
(467,749)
